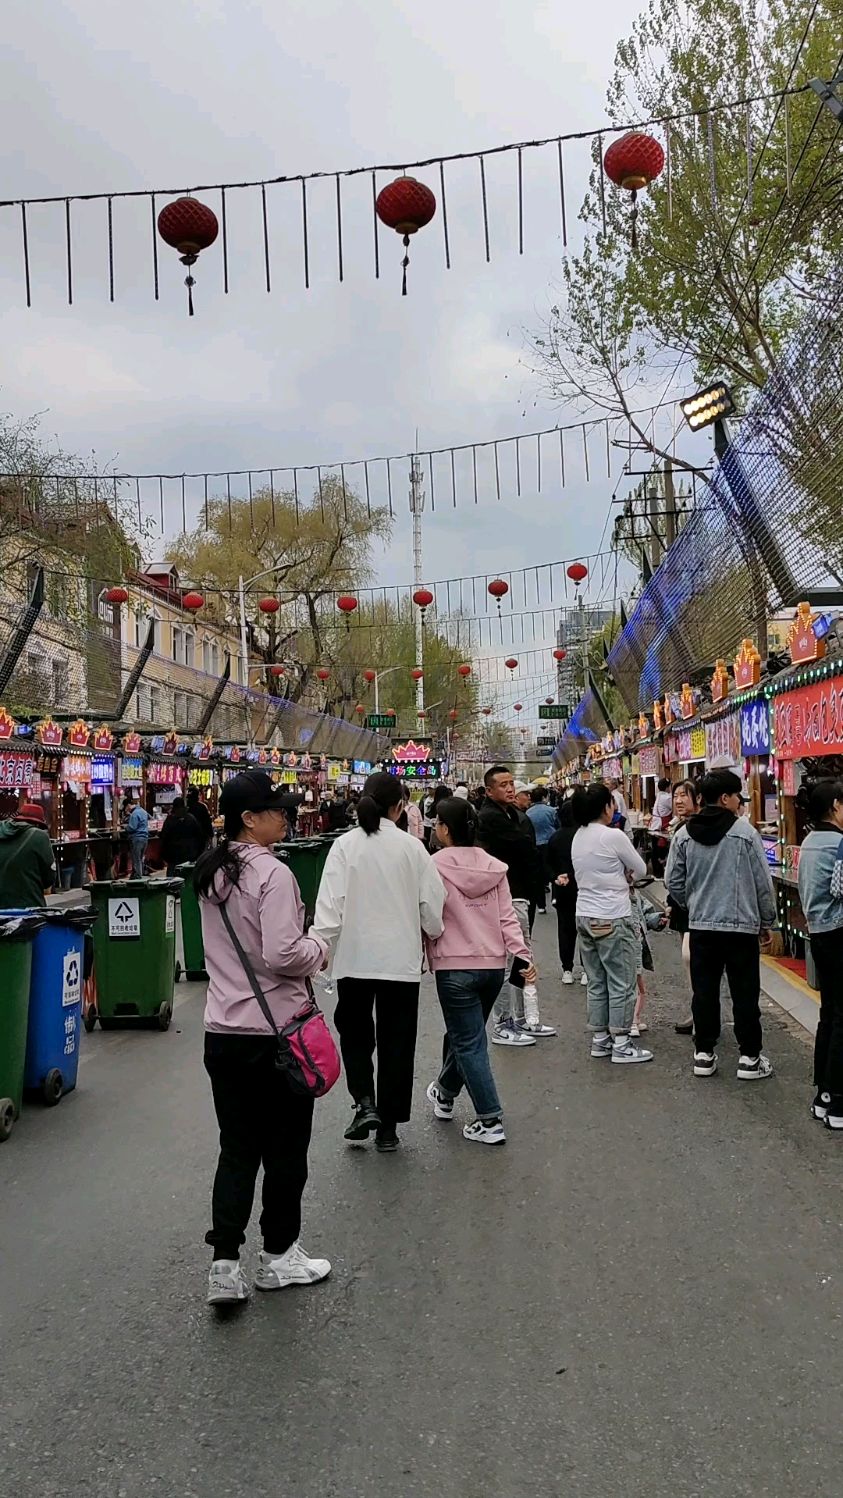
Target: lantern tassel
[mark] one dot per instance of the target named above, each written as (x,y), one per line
(634,225)
(405,262)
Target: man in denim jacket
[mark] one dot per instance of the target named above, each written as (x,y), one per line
(717,870)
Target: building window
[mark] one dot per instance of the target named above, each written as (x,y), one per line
(105,610)
(178,644)
(215,659)
(142,703)
(154,704)
(189,648)
(206,656)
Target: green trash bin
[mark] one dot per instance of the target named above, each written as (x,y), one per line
(191,928)
(16,934)
(305,857)
(135,950)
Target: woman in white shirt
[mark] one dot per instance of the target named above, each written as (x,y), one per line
(605,863)
(380,890)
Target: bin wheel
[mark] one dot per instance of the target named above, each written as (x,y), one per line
(108,1024)
(178,972)
(52,1087)
(7,1117)
(165,1014)
(89,1018)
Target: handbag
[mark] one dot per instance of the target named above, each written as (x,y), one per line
(306,1052)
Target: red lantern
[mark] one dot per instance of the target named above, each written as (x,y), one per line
(577,572)
(559,655)
(189,227)
(277,670)
(347,604)
(193,601)
(421,714)
(465,672)
(269,605)
(417,673)
(116,595)
(634,162)
(323,673)
(511,663)
(390,712)
(369,676)
(453,715)
(486,712)
(360,709)
(423,598)
(498,589)
(549,701)
(405,205)
(518,706)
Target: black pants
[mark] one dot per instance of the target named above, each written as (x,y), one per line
(566,925)
(261,1121)
(396,1010)
(736,953)
(827,949)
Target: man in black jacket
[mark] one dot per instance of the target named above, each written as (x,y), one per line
(507,834)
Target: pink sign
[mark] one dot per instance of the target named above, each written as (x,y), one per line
(16,771)
(648,760)
(723,740)
(164,774)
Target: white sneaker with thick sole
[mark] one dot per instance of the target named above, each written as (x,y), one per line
(624,1053)
(567,978)
(584,980)
(295,1267)
(754,1068)
(506,1035)
(705,1063)
(226,1283)
(601,1045)
(541,1032)
(834,1122)
(442,1107)
(485,1133)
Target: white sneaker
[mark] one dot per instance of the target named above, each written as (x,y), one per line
(567,978)
(754,1068)
(442,1107)
(601,1045)
(485,1133)
(705,1063)
(541,1032)
(508,1035)
(584,979)
(226,1282)
(292,1268)
(624,1053)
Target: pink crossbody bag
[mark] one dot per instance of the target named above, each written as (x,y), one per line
(306,1052)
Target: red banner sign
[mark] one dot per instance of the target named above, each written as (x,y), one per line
(809,721)
(16,771)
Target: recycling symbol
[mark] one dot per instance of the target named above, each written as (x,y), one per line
(124,913)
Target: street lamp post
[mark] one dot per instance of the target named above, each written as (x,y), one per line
(378,676)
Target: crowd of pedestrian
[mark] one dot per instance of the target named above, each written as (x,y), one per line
(456,884)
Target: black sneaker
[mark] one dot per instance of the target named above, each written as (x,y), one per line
(386,1139)
(820,1105)
(366,1118)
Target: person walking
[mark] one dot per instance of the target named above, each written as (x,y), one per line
(545,823)
(507,834)
(201,815)
(442,793)
(415,823)
(605,863)
(686,803)
(181,837)
(821,898)
(28,869)
(379,892)
(137,827)
(261,1119)
(469,964)
(563,883)
(717,870)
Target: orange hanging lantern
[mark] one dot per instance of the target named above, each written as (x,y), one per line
(269,605)
(633,162)
(406,206)
(189,227)
(193,601)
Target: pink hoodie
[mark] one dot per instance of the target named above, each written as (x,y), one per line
(266,911)
(480,921)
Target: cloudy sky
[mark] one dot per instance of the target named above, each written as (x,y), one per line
(178,92)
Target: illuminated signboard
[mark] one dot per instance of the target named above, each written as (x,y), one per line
(131,770)
(102,769)
(414,770)
(16,771)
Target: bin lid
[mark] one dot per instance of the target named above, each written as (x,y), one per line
(80,917)
(136,886)
(20,925)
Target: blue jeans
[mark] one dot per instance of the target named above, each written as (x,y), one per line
(611,963)
(138,847)
(467,996)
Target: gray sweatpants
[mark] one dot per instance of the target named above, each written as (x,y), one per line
(510,1002)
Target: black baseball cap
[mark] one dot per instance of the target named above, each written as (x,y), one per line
(252,790)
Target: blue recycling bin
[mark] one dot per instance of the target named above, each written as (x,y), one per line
(55,1004)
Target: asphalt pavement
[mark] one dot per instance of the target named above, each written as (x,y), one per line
(640,1294)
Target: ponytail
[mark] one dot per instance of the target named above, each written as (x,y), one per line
(380,794)
(225,858)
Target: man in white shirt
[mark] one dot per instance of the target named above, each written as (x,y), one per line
(605,863)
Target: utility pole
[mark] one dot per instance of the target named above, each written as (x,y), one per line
(416,509)
(669,504)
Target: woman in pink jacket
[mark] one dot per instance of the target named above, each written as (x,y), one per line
(261,1120)
(469,961)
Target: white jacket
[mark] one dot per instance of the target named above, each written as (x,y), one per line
(378,893)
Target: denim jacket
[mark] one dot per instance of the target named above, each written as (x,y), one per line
(822,911)
(724,887)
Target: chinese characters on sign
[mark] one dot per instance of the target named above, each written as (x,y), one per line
(722,741)
(809,721)
(158,774)
(16,771)
(755,729)
(648,759)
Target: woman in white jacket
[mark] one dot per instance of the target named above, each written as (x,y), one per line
(380,890)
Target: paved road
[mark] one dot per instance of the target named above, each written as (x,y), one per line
(641,1294)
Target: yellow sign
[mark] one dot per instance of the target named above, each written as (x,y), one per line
(200,776)
(334,772)
(698,741)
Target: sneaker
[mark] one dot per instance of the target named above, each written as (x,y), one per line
(226,1283)
(485,1133)
(386,1139)
(819,1107)
(294,1267)
(584,979)
(705,1063)
(443,1107)
(834,1121)
(509,1035)
(541,1032)
(754,1068)
(567,978)
(601,1045)
(635,1031)
(624,1053)
(363,1121)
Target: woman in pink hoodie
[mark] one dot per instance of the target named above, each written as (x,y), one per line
(469,961)
(262,1121)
